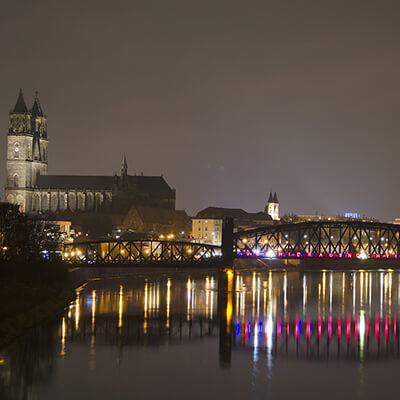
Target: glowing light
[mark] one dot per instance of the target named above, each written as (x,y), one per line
(120,307)
(63,334)
(319,328)
(270,254)
(362,255)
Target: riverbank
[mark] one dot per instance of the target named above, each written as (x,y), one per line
(30,293)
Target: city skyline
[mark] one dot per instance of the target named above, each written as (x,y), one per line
(309,114)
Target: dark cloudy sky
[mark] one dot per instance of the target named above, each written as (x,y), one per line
(227,99)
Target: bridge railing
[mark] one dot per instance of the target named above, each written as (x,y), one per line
(327,239)
(139,252)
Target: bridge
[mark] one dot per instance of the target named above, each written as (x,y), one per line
(320,239)
(140,252)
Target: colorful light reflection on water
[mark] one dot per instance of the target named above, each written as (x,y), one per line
(272,325)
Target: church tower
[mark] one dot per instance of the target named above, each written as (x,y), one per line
(272,207)
(26,151)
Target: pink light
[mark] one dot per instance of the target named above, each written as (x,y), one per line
(329,327)
(278,328)
(308,329)
(287,328)
(348,328)
(367,328)
(395,327)
(377,326)
(386,329)
(339,328)
(319,328)
(296,328)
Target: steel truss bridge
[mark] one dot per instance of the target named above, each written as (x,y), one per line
(321,239)
(140,252)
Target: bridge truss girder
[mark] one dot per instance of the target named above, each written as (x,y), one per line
(139,252)
(325,238)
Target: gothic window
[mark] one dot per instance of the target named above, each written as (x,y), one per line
(45,202)
(89,201)
(81,202)
(54,202)
(37,203)
(63,202)
(16,150)
(72,201)
(16,180)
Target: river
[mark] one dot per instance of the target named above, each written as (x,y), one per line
(215,334)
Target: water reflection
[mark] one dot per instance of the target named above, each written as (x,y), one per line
(269,315)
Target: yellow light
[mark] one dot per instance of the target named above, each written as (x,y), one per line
(79,253)
(189,251)
(244,240)
(66,255)
(162,236)
(72,253)
(147,251)
(5,248)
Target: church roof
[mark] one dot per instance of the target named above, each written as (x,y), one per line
(270,198)
(221,212)
(152,184)
(275,199)
(20,105)
(36,108)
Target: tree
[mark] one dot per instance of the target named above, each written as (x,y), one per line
(24,237)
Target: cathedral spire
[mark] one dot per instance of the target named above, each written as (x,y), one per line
(36,108)
(124,167)
(20,105)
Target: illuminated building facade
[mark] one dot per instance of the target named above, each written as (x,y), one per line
(29,185)
(242,219)
(272,208)
(207,230)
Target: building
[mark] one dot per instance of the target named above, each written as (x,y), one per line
(242,220)
(29,185)
(207,230)
(272,208)
(166,222)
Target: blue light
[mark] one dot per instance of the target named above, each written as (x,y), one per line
(237,329)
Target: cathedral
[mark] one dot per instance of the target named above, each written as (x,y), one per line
(29,185)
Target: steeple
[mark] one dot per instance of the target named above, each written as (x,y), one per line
(270,199)
(124,167)
(36,108)
(275,198)
(20,105)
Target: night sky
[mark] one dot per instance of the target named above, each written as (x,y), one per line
(228,99)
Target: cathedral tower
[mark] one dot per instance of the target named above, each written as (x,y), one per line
(272,207)
(26,151)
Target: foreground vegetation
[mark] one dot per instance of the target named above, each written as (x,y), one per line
(33,283)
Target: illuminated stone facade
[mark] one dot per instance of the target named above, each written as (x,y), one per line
(29,185)
(272,208)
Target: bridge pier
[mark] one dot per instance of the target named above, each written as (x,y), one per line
(227,242)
